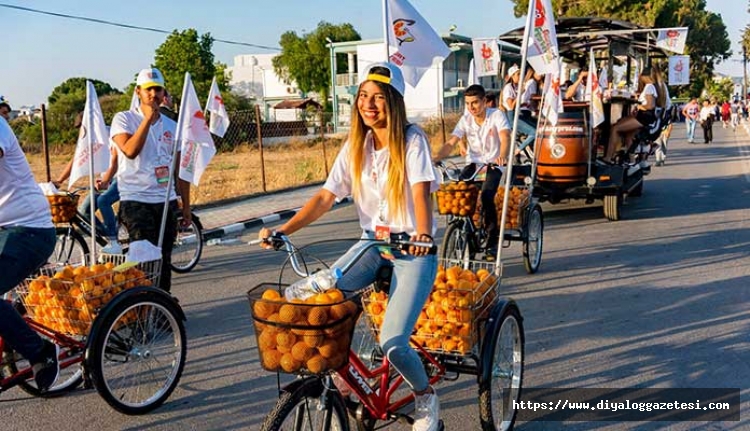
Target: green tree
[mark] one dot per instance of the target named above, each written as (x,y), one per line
(721,89)
(707,43)
(77,86)
(186,51)
(306,60)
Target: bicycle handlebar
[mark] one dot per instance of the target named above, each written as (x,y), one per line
(447,175)
(279,241)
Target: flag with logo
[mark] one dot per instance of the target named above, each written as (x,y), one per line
(93,139)
(413,43)
(543,54)
(195,141)
(594,92)
(553,101)
(672,39)
(679,70)
(486,56)
(219,121)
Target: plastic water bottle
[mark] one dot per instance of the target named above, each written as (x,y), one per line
(316,283)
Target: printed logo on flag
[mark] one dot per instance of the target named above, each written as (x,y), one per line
(402,31)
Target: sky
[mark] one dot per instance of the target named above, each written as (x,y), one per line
(38,52)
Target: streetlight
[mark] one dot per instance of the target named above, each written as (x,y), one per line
(333,85)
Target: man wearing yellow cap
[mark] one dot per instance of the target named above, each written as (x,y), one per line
(145,142)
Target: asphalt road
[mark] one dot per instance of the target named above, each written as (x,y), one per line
(658,299)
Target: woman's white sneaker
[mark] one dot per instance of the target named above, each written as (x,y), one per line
(427,411)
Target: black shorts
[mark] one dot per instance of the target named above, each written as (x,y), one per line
(646,118)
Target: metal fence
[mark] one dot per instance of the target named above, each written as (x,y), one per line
(257,156)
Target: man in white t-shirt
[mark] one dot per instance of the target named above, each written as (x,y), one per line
(488,136)
(27,239)
(4,108)
(145,142)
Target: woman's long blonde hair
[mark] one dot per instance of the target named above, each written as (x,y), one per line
(395,113)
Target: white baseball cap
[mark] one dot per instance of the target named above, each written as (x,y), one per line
(513,69)
(395,80)
(148,78)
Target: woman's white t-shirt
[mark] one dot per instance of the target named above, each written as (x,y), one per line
(649,89)
(374,179)
(137,178)
(22,202)
(509,92)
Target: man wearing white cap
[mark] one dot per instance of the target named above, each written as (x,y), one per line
(145,143)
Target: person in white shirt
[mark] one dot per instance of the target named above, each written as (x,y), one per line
(623,132)
(707,117)
(488,138)
(5,108)
(27,239)
(526,123)
(577,90)
(145,142)
(385,165)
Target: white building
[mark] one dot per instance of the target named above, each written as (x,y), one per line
(253,76)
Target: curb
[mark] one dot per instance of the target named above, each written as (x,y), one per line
(239,227)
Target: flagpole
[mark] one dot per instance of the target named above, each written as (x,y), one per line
(89,130)
(590,83)
(175,163)
(514,132)
(385,31)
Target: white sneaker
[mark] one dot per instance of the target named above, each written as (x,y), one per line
(112,248)
(427,412)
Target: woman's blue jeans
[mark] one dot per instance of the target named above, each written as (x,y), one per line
(104,202)
(22,251)
(411,285)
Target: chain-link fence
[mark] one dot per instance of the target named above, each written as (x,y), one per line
(257,156)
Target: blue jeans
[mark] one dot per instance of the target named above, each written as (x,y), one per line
(526,126)
(690,129)
(411,285)
(22,251)
(104,202)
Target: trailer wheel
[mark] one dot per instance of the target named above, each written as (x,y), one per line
(613,206)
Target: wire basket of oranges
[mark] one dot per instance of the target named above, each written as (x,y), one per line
(450,321)
(311,336)
(67,299)
(519,199)
(458,198)
(63,207)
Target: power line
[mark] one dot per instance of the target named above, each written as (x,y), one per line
(130,26)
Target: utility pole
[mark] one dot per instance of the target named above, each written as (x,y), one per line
(744,73)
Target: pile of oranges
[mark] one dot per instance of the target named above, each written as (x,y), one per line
(312,336)
(63,207)
(69,300)
(457,198)
(519,199)
(446,323)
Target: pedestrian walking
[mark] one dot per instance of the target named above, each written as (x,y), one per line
(707,114)
(691,111)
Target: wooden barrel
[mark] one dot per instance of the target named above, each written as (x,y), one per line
(564,148)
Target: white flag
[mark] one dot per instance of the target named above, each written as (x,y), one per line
(679,70)
(594,92)
(672,39)
(219,121)
(414,44)
(473,79)
(196,144)
(93,138)
(553,102)
(486,56)
(543,54)
(135,102)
